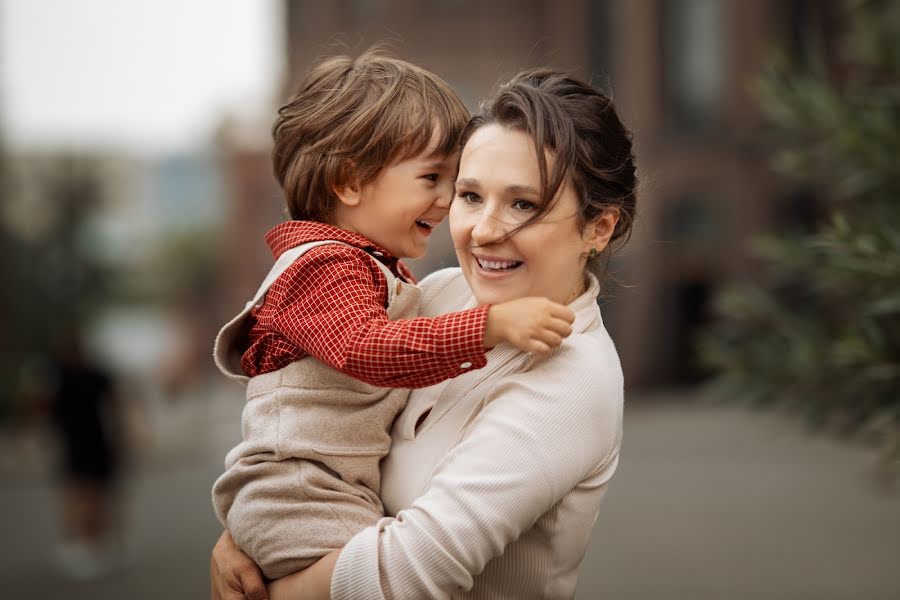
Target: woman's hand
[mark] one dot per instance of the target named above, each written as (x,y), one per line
(233,575)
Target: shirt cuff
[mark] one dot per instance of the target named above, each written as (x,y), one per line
(355,574)
(466,328)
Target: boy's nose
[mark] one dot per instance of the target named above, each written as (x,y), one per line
(444,195)
(443,200)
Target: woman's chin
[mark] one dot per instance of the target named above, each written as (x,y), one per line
(492,293)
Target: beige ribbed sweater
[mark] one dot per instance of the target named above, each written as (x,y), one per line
(496,493)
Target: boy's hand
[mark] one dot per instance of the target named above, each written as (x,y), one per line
(535,325)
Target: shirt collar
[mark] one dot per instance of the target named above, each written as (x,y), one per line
(290,234)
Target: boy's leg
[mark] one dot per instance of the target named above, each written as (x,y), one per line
(287,514)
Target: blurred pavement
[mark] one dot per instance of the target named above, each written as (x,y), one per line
(709,502)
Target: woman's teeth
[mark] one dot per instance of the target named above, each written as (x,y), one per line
(498,265)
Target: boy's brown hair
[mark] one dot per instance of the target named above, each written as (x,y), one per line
(350,119)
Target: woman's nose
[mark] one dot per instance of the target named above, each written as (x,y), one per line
(488,229)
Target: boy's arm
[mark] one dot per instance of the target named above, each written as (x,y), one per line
(332,306)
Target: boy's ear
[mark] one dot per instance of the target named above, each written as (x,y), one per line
(348,188)
(348,193)
(600,230)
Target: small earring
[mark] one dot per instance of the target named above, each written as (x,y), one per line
(592,254)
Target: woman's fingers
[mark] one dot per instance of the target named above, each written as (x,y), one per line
(234,575)
(252,584)
(213,581)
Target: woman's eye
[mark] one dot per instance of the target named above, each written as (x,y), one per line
(524,205)
(469,197)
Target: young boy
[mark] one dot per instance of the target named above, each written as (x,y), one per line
(365,154)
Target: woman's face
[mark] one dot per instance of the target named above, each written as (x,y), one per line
(497,189)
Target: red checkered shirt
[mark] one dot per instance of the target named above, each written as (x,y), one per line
(330,303)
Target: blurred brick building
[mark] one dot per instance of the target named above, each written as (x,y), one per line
(679,71)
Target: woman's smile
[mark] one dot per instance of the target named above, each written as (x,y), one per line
(495,265)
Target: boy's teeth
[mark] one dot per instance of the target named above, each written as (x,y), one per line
(497,264)
(424,224)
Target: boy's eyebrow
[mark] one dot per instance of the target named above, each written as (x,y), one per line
(435,164)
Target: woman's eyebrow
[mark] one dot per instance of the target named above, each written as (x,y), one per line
(467,182)
(522,189)
(510,189)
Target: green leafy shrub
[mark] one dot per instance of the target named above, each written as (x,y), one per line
(820,331)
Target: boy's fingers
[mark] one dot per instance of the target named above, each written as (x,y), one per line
(550,338)
(562,312)
(538,347)
(560,327)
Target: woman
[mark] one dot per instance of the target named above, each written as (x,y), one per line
(495,477)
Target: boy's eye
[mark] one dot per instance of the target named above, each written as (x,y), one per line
(431,176)
(520,204)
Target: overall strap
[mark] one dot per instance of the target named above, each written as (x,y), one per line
(225,354)
(288,258)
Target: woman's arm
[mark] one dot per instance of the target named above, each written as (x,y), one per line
(539,435)
(312,583)
(234,576)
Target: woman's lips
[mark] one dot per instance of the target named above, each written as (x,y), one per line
(494,266)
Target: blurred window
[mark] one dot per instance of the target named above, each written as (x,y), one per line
(689,219)
(449,6)
(804,22)
(363,11)
(601,44)
(693,62)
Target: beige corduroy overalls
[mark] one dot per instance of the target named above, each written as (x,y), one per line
(306,477)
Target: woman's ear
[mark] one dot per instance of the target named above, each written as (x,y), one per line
(599,231)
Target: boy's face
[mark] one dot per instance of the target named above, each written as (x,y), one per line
(400,208)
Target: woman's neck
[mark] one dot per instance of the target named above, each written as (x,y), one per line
(579,290)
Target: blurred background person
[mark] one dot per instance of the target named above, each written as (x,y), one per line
(85,415)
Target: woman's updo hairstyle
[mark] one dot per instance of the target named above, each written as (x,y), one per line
(580,127)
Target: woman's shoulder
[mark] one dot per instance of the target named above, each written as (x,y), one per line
(590,356)
(586,372)
(574,397)
(444,291)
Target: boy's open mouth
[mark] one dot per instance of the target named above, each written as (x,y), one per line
(429,225)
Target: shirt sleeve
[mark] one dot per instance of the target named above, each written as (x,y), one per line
(528,447)
(331,304)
